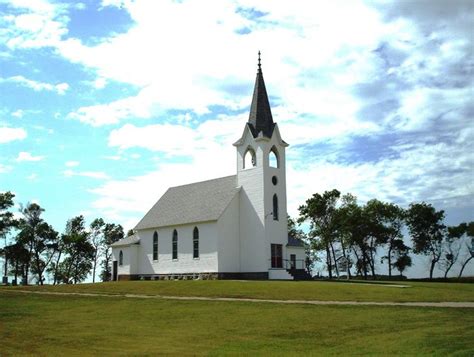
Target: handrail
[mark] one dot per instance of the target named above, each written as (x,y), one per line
(289,264)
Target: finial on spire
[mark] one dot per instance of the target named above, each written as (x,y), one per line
(259,64)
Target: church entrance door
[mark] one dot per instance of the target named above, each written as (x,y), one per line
(277,255)
(293,261)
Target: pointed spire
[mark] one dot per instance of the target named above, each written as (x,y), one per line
(260,118)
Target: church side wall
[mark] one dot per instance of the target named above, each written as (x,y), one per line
(207,261)
(300,256)
(129,265)
(228,238)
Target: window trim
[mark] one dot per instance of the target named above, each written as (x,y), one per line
(253,158)
(174,245)
(274,151)
(155,246)
(196,242)
(275,207)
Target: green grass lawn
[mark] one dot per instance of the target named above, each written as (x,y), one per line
(286,290)
(71,325)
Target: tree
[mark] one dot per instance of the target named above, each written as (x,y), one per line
(97,241)
(293,231)
(427,231)
(320,210)
(44,248)
(130,232)
(388,220)
(402,262)
(54,266)
(39,238)
(78,250)
(112,233)
(354,228)
(469,240)
(451,247)
(18,258)
(7,222)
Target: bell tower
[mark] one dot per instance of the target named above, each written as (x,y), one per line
(261,174)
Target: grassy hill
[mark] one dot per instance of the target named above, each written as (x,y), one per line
(284,290)
(76,325)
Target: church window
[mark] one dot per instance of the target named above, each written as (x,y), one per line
(175,244)
(273,157)
(250,159)
(155,246)
(196,242)
(274,180)
(275,207)
(121,258)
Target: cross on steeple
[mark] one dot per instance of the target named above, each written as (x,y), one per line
(259,64)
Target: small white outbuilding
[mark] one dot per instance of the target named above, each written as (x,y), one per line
(232,227)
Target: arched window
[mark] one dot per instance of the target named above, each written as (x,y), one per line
(175,244)
(275,207)
(196,242)
(155,246)
(121,258)
(250,159)
(273,158)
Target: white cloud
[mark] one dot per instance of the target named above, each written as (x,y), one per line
(37,24)
(112,157)
(72,163)
(173,139)
(422,107)
(80,6)
(32,177)
(18,114)
(91,174)
(5,168)
(170,78)
(10,134)
(99,83)
(26,156)
(60,88)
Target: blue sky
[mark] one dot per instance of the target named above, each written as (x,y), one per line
(105,104)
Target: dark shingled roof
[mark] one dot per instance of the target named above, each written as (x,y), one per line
(260,118)
(133,239)
(197,202)
(293,242)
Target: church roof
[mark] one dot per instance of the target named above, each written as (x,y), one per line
(260,118)
(196,202)
(293,242)
(133,239)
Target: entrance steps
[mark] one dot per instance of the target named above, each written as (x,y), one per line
(299,274)
(279,274)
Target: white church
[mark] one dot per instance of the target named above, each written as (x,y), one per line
(232,227)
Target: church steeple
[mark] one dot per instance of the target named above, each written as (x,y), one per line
(260,118)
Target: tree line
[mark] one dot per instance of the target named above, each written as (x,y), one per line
(33,250)
(354,237)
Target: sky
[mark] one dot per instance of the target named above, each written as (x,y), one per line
(106,104)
